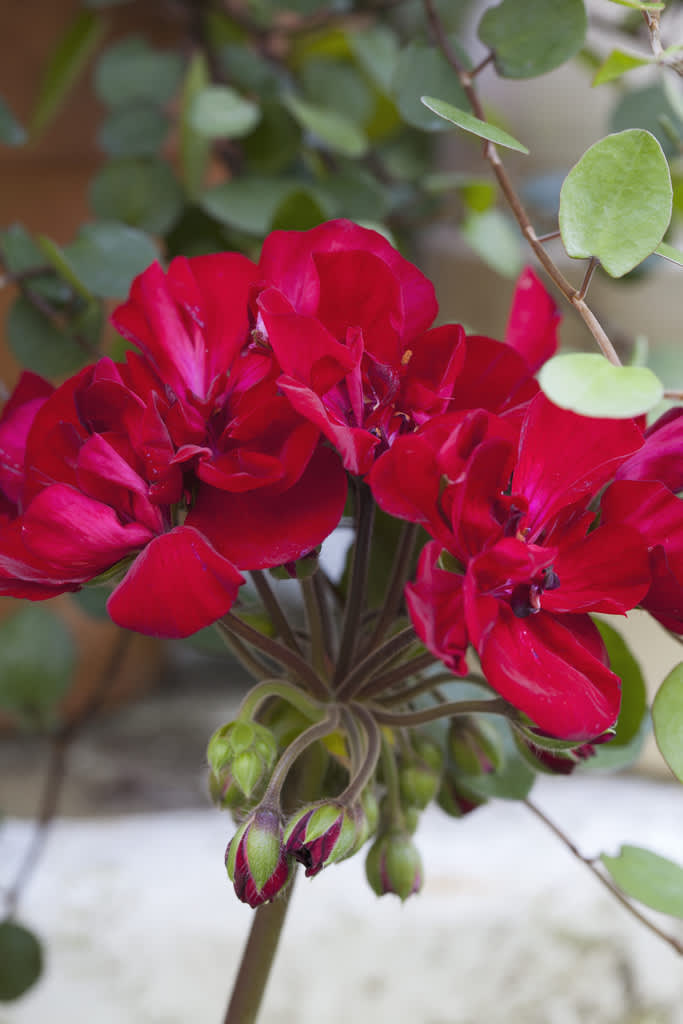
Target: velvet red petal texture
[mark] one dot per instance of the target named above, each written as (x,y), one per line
(258,529)
(177,585)
(607,572)
(564,458)
(541,665)
(534,321)
(493,377)
(436,605)
(661,456)
(29,395)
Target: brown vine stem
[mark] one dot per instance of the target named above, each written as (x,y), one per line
(514,202)
(616,892)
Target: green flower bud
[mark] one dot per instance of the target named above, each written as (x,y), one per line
(475,746)
(455,798)
(320,834)
(419,778)
(394,865)
(256,861)
(243,751)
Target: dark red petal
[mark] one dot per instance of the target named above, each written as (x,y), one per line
(607,572)
(435,604)
(541,666)
(78,534)
(258,530)
(493,377)
(177,585)
(534,320)
(661,457)
(564,457)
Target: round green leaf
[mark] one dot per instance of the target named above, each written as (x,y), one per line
(495,237)
(633,692)
(37,660)
(21,960)
(588,384)
(142,193)
(107,256)
(247,204)
(422,70)
(39,345)
(219,112)
(653,880)
(667,718)
(468,123)
(131,70)
(376,50)
(616,202)
(336,131)
(338,85)
(138,130)
(531,37)
(648,108)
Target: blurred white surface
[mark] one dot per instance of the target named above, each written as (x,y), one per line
(141,926)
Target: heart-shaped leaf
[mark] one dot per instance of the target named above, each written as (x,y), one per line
(531,37)
(616,202)
(472,124)
(667,718)
(588,384)
(653,880)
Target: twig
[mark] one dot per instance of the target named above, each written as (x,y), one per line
(592,866)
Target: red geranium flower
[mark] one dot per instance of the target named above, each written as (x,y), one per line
(517,564)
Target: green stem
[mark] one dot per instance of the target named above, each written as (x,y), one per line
(319,653)
(390,772)
(379,684)
(277,651)
(274,609)
(355,600)
(257,960)
(279,688)
(364,670)
(455,707)
(315,732)
(366,769)
(399,575)
(254,666)
(391,700)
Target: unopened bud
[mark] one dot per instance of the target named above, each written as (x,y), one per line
(256,860)
(475,746)
(321,834)
(554,756)
(244,751)
(394,865)
(419,777)
(455,798)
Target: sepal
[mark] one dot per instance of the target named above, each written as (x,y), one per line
(394,865)
(255,858)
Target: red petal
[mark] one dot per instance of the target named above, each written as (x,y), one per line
(176,586)
(493,377)
(435,604)
(541,665)
(258,530)
(661,457)
(607,572)
(534,320)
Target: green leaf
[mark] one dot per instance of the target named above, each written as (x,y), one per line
(653,880)
(633,692)
(247,204)
(376,49)
(142,193)
(667,718)
(39,345)
(54,255)
(12,133)
(495,238)
(194,150)
(131,71)
(616,64)
(640,5)
(531,37)
(218,112)
(422,70)
(20,252)
(107,256)
(649,108)
(616,202)
(340,86)
(37,661)
(138,130)
(669,253)
(21,960)
(338,133)
(356,194)
(588,384)
(300,210)
(64,67)
(472,124)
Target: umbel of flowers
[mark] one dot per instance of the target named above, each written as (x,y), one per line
(257,402)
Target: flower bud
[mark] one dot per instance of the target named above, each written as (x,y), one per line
(419,778)
(227,795)
(394,865)
(244,751)
(556,757)
(321,834)
(256,860)
(475,746)
(301,569)
(455,798)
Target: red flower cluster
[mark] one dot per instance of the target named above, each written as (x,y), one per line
(223,442)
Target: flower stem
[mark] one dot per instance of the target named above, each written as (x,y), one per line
(314,618)
(447,710)
(366,769)
(230,623)
(381,683)
(364,670)
(315,732)
(286,691)
(399,574)
(257,960)
(274,609)
(355,599)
